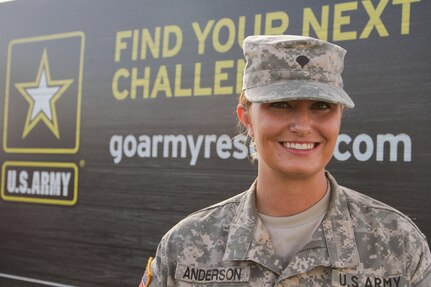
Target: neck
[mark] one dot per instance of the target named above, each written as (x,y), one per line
(286,196)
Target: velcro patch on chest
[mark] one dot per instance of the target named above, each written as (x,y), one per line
(342,279)
(222,274)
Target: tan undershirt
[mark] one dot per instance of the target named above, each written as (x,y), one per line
(291,233)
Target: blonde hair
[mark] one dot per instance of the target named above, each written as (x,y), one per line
(242,100)
(242,130)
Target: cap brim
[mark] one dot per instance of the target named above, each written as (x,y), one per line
(299,90)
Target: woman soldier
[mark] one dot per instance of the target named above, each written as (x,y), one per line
(295,226)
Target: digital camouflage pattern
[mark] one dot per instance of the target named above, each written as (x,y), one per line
(361,242)
(281,68)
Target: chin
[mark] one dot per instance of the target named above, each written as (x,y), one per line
(301,172)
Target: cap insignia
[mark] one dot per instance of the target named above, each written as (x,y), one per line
(302,60)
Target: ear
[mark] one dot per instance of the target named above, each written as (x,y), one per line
(243,114)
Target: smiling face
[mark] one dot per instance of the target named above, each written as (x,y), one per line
(295,138)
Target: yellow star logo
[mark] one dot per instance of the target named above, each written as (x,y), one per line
(42,94)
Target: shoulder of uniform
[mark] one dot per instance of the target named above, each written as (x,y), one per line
(213,218)
(233,201)
(381,210)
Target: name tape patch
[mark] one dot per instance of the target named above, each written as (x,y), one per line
(212,274)
(341,279)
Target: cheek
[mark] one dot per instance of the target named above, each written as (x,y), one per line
(263,127)
(254,123)
(332,130)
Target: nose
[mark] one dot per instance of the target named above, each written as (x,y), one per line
(300,123)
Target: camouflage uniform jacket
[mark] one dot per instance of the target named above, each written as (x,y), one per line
(361,242)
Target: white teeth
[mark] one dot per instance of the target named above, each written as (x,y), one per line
(299,146)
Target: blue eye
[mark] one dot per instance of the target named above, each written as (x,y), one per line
(321,106)
(281,105)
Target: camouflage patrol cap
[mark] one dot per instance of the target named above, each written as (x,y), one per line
(286,67)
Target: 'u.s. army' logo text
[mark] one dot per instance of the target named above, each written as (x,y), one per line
(40,182)
(43,94)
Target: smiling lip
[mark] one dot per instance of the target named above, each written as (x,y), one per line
(299,146)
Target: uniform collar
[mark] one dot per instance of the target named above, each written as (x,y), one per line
(332,244)
(338,229)
(248,239)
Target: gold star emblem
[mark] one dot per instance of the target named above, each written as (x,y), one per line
(42,94)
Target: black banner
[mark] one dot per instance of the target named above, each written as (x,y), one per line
(118,121)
